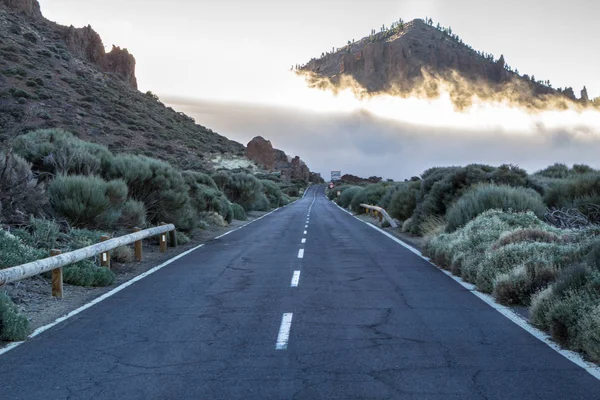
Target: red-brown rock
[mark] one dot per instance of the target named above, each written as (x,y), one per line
(262,152)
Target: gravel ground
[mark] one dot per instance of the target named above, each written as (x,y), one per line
(34,298)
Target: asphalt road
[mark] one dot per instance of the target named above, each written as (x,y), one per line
(368,319)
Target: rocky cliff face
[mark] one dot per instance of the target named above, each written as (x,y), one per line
(30,8)
(262,152)
(54,76)
(415,59)
(84,43)
(87,45)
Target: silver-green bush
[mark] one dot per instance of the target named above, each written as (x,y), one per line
(492,197)
(87,200)
(13,325)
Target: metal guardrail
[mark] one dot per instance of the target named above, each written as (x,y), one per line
(380,213)
(58,260)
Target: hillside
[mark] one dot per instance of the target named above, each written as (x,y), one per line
(52,76)
(415,58)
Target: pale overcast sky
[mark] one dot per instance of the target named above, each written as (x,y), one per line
(240,49)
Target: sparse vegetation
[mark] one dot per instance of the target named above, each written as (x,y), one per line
(492,197)
(486,224)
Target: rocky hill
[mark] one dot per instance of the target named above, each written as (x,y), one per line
(53,76)
(262,152)
(415,58)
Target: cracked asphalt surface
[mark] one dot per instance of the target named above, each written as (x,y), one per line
(371,320)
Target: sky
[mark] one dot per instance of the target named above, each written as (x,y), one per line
(215,59)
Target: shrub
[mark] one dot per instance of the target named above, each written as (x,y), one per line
(205,198)
(212,218)
(262,204)
(273,193)
(371,194)
(508,257)
(518,285)
(14,252)
(463,250)
(199,178)
(40,233)
(561,171)
(221,179)
(86,200)
(584,188)
(13,325)
(55,151)
(133,214)
(79,238)
(566,312)
(555,171)
(526,235)
(86,273)
(488,197)
(20,193)
(593,257)
(238,212)
(122,254)
(589,328)
(159,186)
(441,187)
(182,238)
(404,201)
(347,195)
(247,191)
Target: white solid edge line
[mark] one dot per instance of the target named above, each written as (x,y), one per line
(284,331)
(303,240)
(97,300)
(575,358)
(295,279)
(108,294)
(301,253)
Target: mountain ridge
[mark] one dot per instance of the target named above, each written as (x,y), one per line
(416,58)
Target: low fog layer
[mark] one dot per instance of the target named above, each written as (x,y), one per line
(364,144)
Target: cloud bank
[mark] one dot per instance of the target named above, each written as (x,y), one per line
(366,141)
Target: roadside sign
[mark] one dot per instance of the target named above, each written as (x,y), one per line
(336,175)
(331,185)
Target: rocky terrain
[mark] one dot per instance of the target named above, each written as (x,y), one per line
(417,58)
(262,152)
(52,76)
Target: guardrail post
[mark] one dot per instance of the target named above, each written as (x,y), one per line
(163,241)
(137,247)
(105,257)
(173,238)
(57,278)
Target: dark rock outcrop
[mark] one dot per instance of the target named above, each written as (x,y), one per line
(262,152)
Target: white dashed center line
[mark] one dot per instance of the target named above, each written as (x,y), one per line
(305,232)
(303,240)
(295,279)
(301,253)
(284,332)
